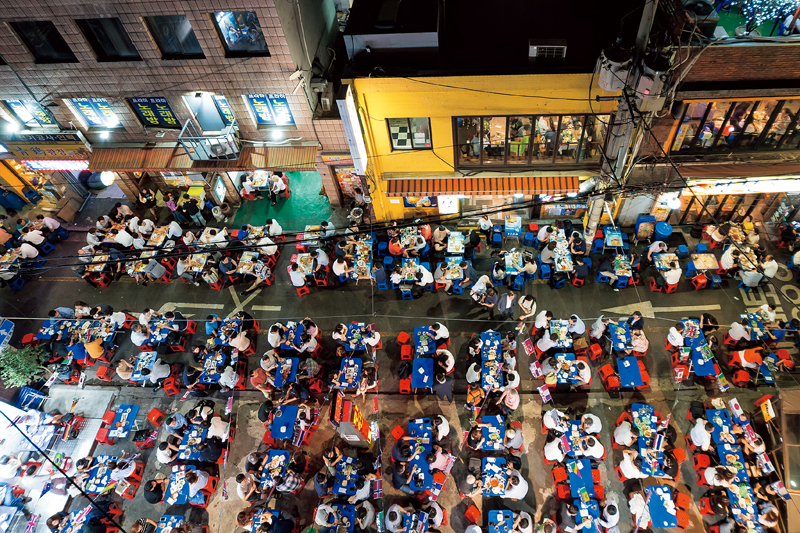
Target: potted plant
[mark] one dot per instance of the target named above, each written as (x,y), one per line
(19,366)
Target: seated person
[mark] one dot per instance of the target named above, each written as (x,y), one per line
(626,435)
(631,465)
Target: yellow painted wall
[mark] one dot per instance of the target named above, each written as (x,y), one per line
(380,98)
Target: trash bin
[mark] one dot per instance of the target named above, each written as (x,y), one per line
(663,231)
(217,212)
(11,200)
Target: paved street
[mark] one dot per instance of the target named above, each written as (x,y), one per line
(391,316)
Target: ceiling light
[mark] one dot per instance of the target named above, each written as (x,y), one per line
(104,134)
(674,203)
(107,178)
(276,135)
(518,195)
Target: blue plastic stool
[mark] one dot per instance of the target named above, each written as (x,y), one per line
(544,271)
(406,295)
(597,246)
(528,239)
(519,282)
(395,285)
(745,287)
(425,264)
(700,248)
(536,242)
(497,240)
(529,277)
(691,271)
(602,279)
(496,281)
(683,251)
(457,288)
(558,283)
(384,286)
(588,262)
(622,282)
(429,288)
(17,284)
(38,264)
(383,248)
(63,233)
(791,266)
(47,248)
(715,281)
(388,262)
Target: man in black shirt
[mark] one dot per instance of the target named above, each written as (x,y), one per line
(154,490)
(210,450)
(580,269)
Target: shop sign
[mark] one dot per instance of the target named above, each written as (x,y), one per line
(155,112)
(95,112)
(56,164)
(742,187)
(420,201)
(45,145)
(352,131)
(348,180)
(31,114)
(337,159)
(224,109)
(270,109)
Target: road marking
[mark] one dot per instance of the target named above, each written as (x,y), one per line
(171,306)
(266,308)
(240,305)
(647,309)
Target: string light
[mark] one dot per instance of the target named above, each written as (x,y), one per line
(765,10)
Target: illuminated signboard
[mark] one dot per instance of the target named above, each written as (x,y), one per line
(224,109)
(94,112)
(270,109)
(352,132)
(30,114)
(56,164)
(45,145)
(219,189)
(155,112)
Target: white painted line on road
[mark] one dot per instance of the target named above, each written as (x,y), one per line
(171,306)
(647,309)
(266,308)
(681,308)
(240,305)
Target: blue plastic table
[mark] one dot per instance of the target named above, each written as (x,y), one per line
(353,344)
(160,329)
(491,375)
(494,468)
(621,336)
(422,373)
(422,430)
(283,425)
(177,492)
(261,514)
(743,513)
(759,330)
(630,375)
(228,330)
(582,480)
(353,367)
(573,435)
(652,461)
(557,326)
(499,423)
(291,339)
(213,366)
(589,509)
(501,521)
(729,455)
(349,512)
(120,429)
(724,422)
(168,522)
(702,367)
(345,484)
(563,377)
(291,375)
(267,479)
(143,360)
(430,346)
(662,509)
(187,451)
(490,343)
(99,476)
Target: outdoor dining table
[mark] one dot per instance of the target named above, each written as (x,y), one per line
(455,243)
(160,330)
(494,435)
(560,328)
(422,373)
(354,337)
(158,236)
(283,422)
(277,460)
(702,357)
(305,263)
(721,420)
(350,373)
(143,360)
(345,483)
(408,235)
(663,261)
(247,262)
(187,449)
(98,478)
(494,476)
(453,270)
(228,330)
(213,366)
(731,455)
(566,376)
(630,375)
(362,262)
(756,324)
(421,430)
(704,262)
(743,506)
(501,521)
(591,510)
(123,421)
(563,259)
(513,262)
(408,268)
(292,338)
(621,338)
(348,512)
(99,263)
(415,522)
(177,492)
(287,371)
(490,345)
(311,235)
(571,439)
(261,514)
(662,508)
(424,341)
(197,262)
(579,472)
(491,374)
(168,522)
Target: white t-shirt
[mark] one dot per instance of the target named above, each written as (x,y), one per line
(174,230)
(595,426)
(629,469)
(392,526)
(268,246)
(700,437)
(596,451)
(165,456)
(770,268)
(427,277)
(639,510)
(764,310)
(673,276)
(519,491)
(339,267)
(674,337)
(242,489)
(443,429)
(275,229)
(442,333)
(552,451)
(738,332)
(529,529)
(727,259)
(541,320)
(623,435)
(325,515)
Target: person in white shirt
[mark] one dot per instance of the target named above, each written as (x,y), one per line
(441,425)
(440,332)
(701,434)
(326,515)
(274,228)
(138,335)
(218,238)
(544,234)
(146,226)
(750,278)
(93,238)
(267,246)
(555,420)
(473,373)
(523,523)
(174,231)
(656,248)
(118,318)
(631,465)
(139,242)
(197,480)
(446,360)
(552,450)
(122,470)
(276,185)
(592,448)
(274,335)
(576,326)
(158,374)
(296,276)
(673,275)
(340,267)
(584,373)
(547,342)
(328,228)
(513,439)
(767,313)
(591,424)
(122,237)
(26,251)
(769,266)
(516,487)
(228,379)
(599,327)
(740,331)
(33,236)
(424,276)
(394,518)
(675,335)
(542,320)
(729,260)
(133,224)
(625,434)
(166,453)
(610,513)
(51,223)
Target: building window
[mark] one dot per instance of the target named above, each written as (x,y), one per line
(44,41)
(94,114)
(154,112)
(108,39)
(175,37)
(29,114)
(526,139)
(726,127)
(410,133)
(241,34)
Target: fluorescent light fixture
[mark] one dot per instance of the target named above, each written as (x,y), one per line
(572,195)
(519,195)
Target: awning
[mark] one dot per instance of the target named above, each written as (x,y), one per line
(502,186)
(171,159)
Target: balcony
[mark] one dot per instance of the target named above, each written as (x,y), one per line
(225,146)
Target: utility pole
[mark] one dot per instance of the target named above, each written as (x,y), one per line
(620,135)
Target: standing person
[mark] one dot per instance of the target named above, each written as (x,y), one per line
(486,228)
(505,305)
(148,199)
(192,210)
(275,185)
(172,205)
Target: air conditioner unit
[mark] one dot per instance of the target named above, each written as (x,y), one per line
(319,85)
(326,103)
(547,50)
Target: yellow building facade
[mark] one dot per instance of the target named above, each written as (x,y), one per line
(439,168)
